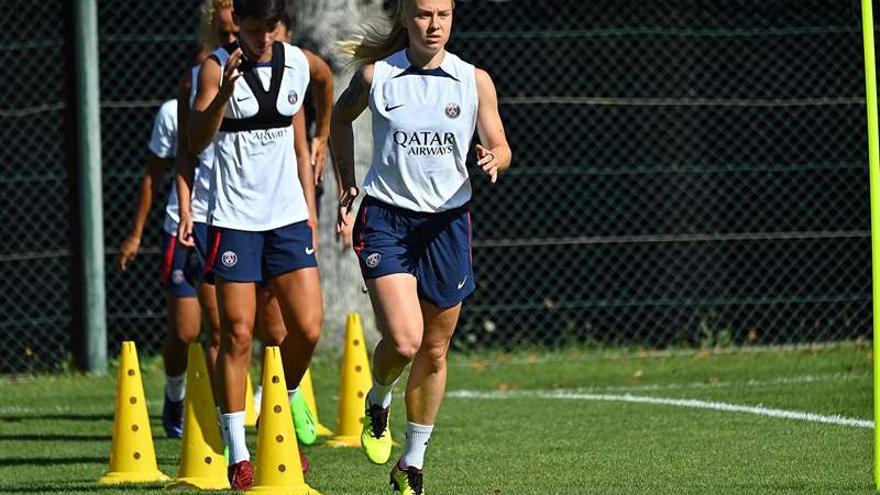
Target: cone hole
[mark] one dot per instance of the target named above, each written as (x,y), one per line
(360,395)
(358,368)
(208,460)
(361,420)
(356,342)
(275,379)
(135,428)
(279,438)
(277,409)
(130,372)
(132,400)
(137,455)
(282,467)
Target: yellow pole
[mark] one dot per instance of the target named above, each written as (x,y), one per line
(874,174)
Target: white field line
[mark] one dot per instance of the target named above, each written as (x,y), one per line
(685,403)
(754,383)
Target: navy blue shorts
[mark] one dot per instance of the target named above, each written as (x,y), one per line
(174,260)
(195,265)
(243,256)
(433,247)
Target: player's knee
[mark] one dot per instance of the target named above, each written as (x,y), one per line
(307,329)
(274,335)
(407,348)
(311,329)
(187,334)
(435,354)
(238,339)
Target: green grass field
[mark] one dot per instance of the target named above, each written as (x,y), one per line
(525,424)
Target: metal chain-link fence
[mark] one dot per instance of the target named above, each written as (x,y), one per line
(686,173)
(35,224)
(144,49)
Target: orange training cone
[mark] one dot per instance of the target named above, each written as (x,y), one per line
(202,461)
(356,382)
(132,456)
(250,412)
(278,469)
(305,386)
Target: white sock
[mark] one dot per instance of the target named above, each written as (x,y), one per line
(233,434)
(380,394)
(291,392)
(416,444)
(175,387)
(223,429)
(258,399)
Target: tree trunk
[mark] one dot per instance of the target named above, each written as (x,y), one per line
(320,24)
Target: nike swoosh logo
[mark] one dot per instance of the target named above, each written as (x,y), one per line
(243,99)
(461,284)
(388,109)
(310,251)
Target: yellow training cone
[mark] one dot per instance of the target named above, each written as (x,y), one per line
(356,382)
(305,387)
(132,456)
(250,413)
(278,470)
(202,462)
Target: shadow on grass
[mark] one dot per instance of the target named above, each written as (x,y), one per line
(57,416)
(86,487)
(50,437)
(83,487)
(51,461)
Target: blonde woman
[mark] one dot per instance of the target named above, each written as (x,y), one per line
(412,234)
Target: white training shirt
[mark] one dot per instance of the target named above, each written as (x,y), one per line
(423,124)
(163,143)
(201,190)
(255,180)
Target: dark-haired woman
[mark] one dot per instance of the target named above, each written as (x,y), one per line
(262,220)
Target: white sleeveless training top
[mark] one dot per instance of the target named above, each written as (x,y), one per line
(163,143)
(255,182)
(423,124)
(202,177)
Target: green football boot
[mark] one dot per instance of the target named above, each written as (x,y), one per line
(376,434)
(303,420)
(407,481)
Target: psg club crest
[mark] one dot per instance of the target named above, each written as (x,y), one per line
(229,259)
(453,110)
(292,97)
(177,277)
(373,260)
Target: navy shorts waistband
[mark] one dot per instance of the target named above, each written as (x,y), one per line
(454,212)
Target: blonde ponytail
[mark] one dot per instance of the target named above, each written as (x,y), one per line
(376,44)
(208,11)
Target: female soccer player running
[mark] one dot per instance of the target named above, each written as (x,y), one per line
(218,28)
(182,307)
(318,127)
(412,233)
(263,211)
